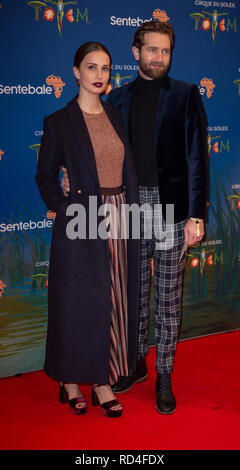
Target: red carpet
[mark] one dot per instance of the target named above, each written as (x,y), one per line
(206,382)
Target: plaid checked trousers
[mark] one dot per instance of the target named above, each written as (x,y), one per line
(167,284)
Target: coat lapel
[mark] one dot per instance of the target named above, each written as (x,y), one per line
(82,136)
(125,103)
(81,132)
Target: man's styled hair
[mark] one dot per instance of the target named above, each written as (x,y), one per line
(153,27)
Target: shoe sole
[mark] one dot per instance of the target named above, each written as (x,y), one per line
(139,381)
(79,411)
(165,412)
(112,415)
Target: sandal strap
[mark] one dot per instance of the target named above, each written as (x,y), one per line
(110,404)
(75,401)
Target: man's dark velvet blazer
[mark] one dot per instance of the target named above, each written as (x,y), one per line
(180,145)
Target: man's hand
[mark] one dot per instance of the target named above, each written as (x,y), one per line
(194,232)
(65,182)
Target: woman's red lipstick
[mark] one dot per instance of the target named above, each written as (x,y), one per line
(98,84)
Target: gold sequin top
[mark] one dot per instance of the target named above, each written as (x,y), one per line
(108,149)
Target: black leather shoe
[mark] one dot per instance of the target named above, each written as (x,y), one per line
(166,403)
(140,375)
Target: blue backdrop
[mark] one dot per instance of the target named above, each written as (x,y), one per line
(38,42)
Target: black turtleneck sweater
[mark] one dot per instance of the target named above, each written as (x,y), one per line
(142,128)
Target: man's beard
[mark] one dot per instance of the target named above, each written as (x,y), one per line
(153,72)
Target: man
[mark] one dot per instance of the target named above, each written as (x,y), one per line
(167,128)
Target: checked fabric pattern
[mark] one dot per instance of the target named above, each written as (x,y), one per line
(167,282)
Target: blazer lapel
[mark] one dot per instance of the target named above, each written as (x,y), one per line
(124,105)
(81,133)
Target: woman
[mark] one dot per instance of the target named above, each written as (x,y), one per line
(93,282)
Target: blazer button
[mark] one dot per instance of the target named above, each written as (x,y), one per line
(79,191)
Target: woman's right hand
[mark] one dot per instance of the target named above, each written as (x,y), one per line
(65,182)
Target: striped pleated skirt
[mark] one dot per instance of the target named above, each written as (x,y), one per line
(113,200)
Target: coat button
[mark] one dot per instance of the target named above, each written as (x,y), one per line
(79,191)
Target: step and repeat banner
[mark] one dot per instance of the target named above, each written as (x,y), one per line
(38,42)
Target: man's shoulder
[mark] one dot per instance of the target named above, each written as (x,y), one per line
(180,85)
(109,107)
(118,93)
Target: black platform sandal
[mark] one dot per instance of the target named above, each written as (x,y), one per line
(107,407)
(64,398)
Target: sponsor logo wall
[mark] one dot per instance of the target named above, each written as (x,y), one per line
(38,42)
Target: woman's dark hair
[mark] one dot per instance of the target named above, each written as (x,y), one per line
(88,47)
(153,27)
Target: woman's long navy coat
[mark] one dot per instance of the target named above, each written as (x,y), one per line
(79,302)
